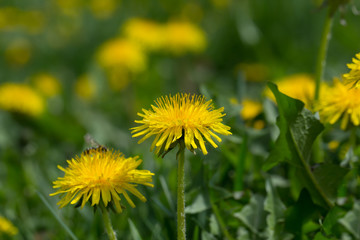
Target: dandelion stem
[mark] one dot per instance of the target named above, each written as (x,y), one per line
(321,58)
(107,222)
(319,75)
(181,226)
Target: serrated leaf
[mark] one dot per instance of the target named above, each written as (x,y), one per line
(329,176)
(253,214)
(199,205)
(276,209)
(298,131)
(298,214)
(332,219)
(351,221)
(134,232)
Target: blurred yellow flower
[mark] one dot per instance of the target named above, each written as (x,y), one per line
(118,78)
(101,175)
(13,18)
(6,227)
(183,116)
(254,72)
(339,101)
(85,87)
(122,53)
(220,4)
(250,109)
(103,8)
(147,33)
(353,77)
(298,86)
(183,37)
(21,98)
(46,84)
(333,145)
(18,52)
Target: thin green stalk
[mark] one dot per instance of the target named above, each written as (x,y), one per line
(221,222)
(107,222)
(240,165)
(321,60)
(181,225)
(319,75)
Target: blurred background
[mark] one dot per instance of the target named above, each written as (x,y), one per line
(71,67)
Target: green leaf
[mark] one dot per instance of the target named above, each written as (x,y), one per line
(199,205)
(276,209)
(351,221)
(298,214)
(298,131)
(253,214)
(57,217)
(134,232)
(331,219)
(329,176)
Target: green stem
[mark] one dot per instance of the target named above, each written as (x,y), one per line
(181,226)
(107,222)
(221,222)
(319,75)
(240,165)
(321,60)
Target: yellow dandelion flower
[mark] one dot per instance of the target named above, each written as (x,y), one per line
(339,101)
(101,175)
(85,87)
(254,72)
(147,33)
(6,227)
(183,116)
(47,84)
(298,86)
(183,37)
(122,53)
(18,52)
(250,109)
(353,77)
(103,9)
(21,98)
(333,145)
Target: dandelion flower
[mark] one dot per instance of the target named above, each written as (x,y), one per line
(298,86)
(85,87)
(183,37)
(99,175)
(147,33)
(183,116)
(353,77)
(21,98)
(121,53)
(339,101)
(47,84)
(250,109)
(6,227)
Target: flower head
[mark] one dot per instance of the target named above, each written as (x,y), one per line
(47,84)
(101,175)
(339,101)
(6,227)
(21,98)
(147,33)
(183,37)
(85,87)
(298,86)
(121,53)
(353,77)
(183,116)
